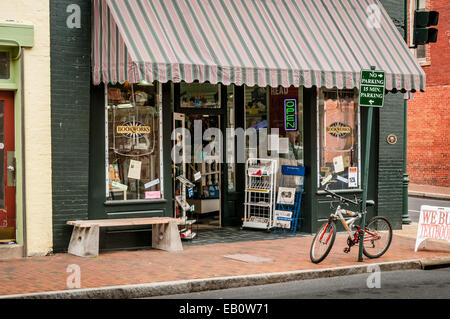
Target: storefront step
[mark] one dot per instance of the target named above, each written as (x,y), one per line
(10,251)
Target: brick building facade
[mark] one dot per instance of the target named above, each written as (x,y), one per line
(428,112)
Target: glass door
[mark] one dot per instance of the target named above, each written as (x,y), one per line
(179,162)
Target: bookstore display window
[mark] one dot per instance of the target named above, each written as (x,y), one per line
(134,145)
(338,136)
(265,109)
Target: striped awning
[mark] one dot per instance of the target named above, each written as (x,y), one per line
(324,43)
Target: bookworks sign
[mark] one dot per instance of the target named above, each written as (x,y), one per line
(133,129)
(338,129)
(434,223)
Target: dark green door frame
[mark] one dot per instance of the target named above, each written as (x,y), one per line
(222,112)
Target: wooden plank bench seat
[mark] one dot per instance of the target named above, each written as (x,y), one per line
(85,235)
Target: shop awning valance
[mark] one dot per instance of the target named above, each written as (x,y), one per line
(253,42)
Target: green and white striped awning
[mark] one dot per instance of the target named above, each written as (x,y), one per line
(322,43)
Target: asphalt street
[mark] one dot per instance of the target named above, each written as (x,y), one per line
(414,204)
(408,284)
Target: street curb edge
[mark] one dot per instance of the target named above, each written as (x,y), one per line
(218,283)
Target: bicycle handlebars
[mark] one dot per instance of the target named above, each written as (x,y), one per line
(342,199)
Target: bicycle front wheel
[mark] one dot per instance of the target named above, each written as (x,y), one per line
(323,241)
(377,237)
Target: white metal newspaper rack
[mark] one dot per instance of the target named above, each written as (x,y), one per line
(260,186)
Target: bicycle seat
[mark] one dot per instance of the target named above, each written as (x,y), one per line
(370,202)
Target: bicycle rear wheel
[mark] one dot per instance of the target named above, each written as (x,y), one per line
(323,241)
(377,237)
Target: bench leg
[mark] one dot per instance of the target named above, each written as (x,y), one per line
(166,237)
(84,241)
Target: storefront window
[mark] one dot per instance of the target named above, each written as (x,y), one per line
(286,114)
(256,115)
(202,95)
(133,156)
(276,109)
(338,136)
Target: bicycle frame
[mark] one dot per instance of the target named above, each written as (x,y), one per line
(346,223)
(349,223)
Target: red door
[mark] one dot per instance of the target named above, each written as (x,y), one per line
(8,168)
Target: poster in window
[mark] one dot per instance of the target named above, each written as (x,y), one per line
(114,175)
(352,177)
(134,171)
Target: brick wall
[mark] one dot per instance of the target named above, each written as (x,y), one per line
(428,112)
(428,138)
(70,100)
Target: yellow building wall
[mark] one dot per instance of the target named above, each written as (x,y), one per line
(38,174)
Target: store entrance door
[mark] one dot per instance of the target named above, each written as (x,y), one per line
(8,166)
(201,165)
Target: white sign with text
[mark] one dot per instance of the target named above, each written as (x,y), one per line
(434,223)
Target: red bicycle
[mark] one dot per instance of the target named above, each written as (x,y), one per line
(377,232)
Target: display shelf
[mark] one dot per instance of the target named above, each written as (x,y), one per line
(261,204)
(260,180)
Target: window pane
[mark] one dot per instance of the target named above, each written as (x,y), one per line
(265,109)
(338,138)
(134,142)
(422,4)
(421,51)
(199,95)
(230,143)
(256,116)
(4,65)
(282,102)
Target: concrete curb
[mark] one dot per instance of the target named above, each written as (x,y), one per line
(428,195)
(198,285)
(431,263)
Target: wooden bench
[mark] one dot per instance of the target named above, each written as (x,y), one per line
(85,235)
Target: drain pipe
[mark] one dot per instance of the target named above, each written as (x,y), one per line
(22,115)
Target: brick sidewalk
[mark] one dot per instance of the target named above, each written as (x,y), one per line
(39,274)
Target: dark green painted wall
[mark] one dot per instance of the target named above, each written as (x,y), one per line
(391,157)
(390,162)
(70,98)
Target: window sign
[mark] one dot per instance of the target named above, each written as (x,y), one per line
(290,115)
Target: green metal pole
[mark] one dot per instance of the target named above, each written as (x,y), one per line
(405,217)
(365,181)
